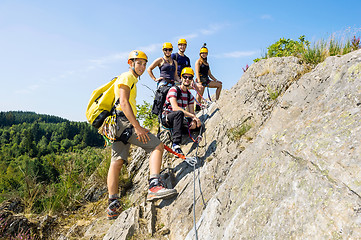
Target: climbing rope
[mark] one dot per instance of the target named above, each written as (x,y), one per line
(198,138)
(108,129)
(194,202)
(208,94)
(193,162)
(207,103)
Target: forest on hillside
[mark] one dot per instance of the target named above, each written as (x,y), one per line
(45,160)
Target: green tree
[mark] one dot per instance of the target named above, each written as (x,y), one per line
(5,137)
(144,114)
(65,144)
(43,146)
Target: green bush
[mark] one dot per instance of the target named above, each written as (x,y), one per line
(287,47)
(315,53)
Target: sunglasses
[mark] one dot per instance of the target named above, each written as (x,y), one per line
(167,49)
(188,77)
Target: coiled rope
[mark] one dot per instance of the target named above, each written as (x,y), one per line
(108,129)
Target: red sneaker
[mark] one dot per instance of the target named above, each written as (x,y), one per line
(114,209)
(160,192)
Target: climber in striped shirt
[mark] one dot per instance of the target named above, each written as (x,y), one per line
(178,110)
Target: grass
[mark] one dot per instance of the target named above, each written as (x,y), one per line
(273,93)
(314,54)
(236,133)
(336,45)
(102,170)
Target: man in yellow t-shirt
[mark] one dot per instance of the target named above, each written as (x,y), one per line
(130,132)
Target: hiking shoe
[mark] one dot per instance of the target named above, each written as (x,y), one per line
(177,149)
(114,209)
(159,191)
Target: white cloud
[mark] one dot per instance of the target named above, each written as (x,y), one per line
(237,54)
(212,29)
(28,89)
(266,17)
(151,48)
(188,36)
(101,62)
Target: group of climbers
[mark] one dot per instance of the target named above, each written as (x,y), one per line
(178,113)
(171,67)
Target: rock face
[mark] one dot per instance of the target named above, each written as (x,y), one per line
(280,159)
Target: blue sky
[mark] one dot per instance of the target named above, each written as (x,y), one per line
(53,54)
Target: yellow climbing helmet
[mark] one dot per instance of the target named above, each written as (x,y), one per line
(204,49)
(182,41)
(187,70)
(137,54)
(167,45)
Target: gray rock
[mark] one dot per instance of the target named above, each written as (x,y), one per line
(280,159)
(124,226)
(300,178)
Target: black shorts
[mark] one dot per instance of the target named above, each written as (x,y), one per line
(204,81)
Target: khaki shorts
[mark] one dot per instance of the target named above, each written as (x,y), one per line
(121,150)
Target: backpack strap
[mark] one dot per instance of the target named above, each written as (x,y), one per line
(179,93)
(112,111)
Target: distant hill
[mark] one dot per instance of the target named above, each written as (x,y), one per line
(18,117)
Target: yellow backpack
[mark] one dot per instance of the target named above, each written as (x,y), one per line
(101,104)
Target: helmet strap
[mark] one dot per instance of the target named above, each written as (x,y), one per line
(133,69)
